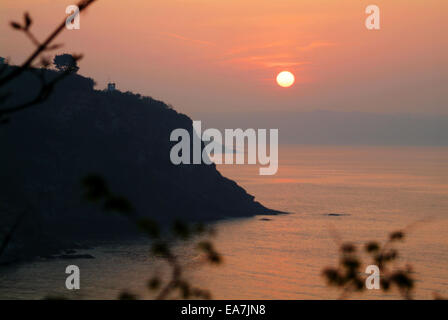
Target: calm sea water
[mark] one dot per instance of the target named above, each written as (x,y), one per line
(375,191)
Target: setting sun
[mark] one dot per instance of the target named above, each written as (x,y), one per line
(285,79)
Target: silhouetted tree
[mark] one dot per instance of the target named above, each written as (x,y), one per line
(66,62)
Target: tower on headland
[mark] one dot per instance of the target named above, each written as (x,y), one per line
(111,86)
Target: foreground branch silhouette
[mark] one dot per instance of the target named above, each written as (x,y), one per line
(348,276)
(161,245)
(97,191)
(46,87)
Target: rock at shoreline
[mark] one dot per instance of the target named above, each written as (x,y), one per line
(337,214)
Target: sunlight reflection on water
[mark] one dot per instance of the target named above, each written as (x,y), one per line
(369,191)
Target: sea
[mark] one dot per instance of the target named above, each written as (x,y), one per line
(333,195)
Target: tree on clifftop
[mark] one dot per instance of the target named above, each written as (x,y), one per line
(66,62)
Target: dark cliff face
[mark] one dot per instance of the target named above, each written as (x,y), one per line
(124,137)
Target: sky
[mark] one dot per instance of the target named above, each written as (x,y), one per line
(212,56)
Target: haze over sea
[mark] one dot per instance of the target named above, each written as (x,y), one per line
(334,194)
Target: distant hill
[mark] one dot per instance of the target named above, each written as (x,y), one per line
(124,137)
(324,127)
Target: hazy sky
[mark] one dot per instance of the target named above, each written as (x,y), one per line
(223,55)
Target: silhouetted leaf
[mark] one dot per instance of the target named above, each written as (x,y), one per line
(16,25)
(348,248)
(332,276)
(184,288)
(397,235)
(154,283)
(390,255)
(181,230)
(199,293)
(379,258)
(385,283)
(372,247)
(214,257)
(359,284)
(350,263)
(160,248)
(205,246)
(150,227)
(402,280)
(28,20)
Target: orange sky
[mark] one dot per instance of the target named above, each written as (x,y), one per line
(223,55)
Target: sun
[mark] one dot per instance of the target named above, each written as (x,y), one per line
(285,79)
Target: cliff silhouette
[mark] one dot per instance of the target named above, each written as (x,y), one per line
(122,136)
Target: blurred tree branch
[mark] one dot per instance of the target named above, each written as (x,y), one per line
(97,191)
(348,276)
(46,86)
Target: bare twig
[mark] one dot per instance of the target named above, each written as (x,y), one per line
(82,5)
(45,90)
